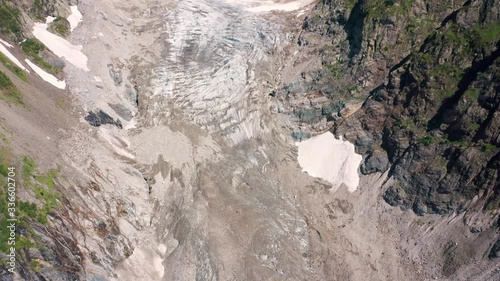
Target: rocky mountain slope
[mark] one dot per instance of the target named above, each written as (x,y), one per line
(171,155)
(426,74)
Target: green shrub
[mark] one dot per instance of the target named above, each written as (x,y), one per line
(427,140)
(32,47)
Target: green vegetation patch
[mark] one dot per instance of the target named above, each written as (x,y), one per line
(472,94)
(444,81)
(349,4)
(23,213)
(490,147)
(455,36)
(43,185)
(14,68)
(32,47)
(29,167)
(5,81)
(37,10)
(334,70)
(21,241)
(383,9)
(4,170)
(60,25)
(8,91)
(427,140)
(9,21)
(489,32)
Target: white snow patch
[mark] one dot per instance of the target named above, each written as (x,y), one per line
(60,46)
(10,56)
(49,19)
(46,76)
(6,43)
(331,159)
(158,264)
(75,18)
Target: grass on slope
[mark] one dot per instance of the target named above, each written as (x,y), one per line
(8,91)
(14,68)
(32,47)
(42,185)
(9,20)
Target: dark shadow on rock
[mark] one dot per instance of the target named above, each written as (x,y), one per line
(354,29)
(467,79)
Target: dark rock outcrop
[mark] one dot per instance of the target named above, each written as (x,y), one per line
(377,161)
(428,75)
(100,117)
(437,118)
(495,251)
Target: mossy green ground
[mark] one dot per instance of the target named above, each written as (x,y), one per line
(8,91)
(14,68)
(41,184)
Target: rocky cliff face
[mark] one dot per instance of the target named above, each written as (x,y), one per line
(427,76)
(422,80)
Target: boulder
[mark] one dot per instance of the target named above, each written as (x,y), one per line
(121,110)
(100,117)
(116,74)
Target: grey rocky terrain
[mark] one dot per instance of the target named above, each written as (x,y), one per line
(174,156)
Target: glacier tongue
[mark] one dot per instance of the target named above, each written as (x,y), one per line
(213,50)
